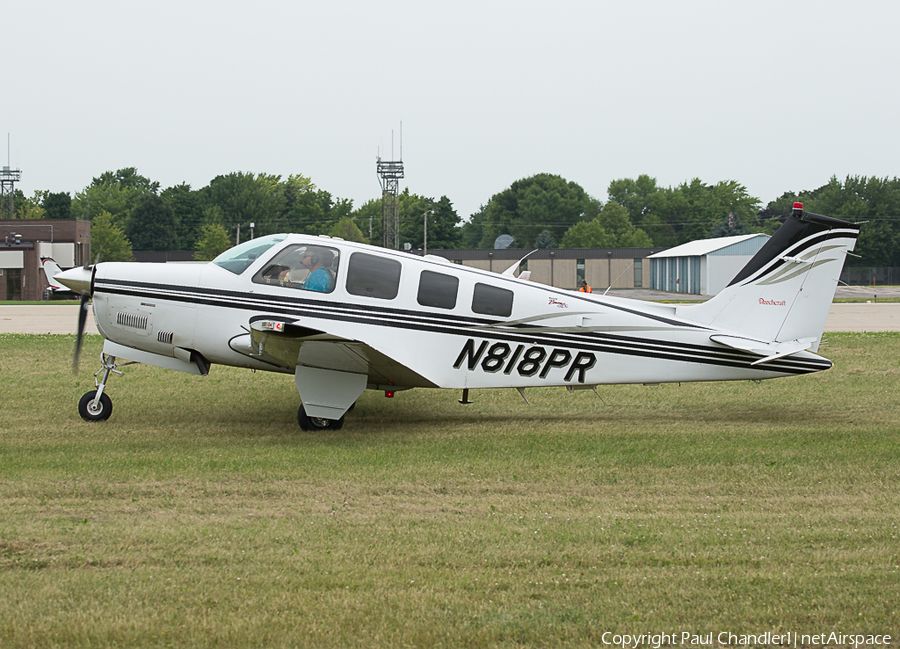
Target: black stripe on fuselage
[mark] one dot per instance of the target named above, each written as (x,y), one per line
(455,325)
(476,321)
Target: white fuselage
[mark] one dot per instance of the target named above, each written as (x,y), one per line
(537,335)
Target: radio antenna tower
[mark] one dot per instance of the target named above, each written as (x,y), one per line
(8,179)
(389,175)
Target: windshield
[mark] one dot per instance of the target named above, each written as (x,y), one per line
(237,259)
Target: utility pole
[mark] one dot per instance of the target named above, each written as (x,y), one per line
(609,268)
(425,244)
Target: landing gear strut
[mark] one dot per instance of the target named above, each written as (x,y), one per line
(96,404)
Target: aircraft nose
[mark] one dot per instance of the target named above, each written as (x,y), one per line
(78,279)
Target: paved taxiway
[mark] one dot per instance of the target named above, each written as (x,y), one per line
(43,319)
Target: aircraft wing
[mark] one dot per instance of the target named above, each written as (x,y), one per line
(288,344)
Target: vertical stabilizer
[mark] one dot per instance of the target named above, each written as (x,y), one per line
(51,270)
(785,291)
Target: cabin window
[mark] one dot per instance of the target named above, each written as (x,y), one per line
(309,268)
(437,290)
(371,276)
(491,300)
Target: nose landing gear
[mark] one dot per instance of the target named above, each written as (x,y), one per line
(96,404)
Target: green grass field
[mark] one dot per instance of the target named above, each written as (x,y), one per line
(200,515)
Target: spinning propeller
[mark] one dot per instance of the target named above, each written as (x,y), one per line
(80,280)
(82,322)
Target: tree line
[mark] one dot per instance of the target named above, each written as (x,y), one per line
(129,212)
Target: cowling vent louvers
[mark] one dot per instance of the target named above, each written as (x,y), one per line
(131,320)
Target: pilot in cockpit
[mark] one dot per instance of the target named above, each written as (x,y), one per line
(305,267)
(318,261)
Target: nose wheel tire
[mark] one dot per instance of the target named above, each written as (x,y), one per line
(93,410)
(317,423)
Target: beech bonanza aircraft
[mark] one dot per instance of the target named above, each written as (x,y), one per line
(343,317)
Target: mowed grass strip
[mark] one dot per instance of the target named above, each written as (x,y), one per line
(201,515)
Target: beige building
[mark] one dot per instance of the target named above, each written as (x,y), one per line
(566,267)
(23,242)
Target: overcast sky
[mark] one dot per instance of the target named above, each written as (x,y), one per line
(777,95)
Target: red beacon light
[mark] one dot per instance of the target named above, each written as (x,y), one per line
(389,394)
(798,207)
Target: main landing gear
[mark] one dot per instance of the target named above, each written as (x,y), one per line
(318,423)
(96,404)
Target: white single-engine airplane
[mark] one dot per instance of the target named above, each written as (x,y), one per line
(343,317)
(51,270)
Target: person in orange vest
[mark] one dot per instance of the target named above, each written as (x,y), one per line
(585,288)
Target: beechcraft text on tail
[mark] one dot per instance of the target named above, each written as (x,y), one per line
(343,317)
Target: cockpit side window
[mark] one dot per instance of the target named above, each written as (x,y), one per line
(306,267)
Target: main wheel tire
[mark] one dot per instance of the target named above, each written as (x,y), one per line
(91,411)
(317,423)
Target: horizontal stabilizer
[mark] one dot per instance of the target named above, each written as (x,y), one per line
(769,351)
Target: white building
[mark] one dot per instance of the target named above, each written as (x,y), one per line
(703,267)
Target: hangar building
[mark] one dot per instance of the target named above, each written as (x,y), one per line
(703,267)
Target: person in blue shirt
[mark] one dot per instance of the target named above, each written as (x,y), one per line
(317,261)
